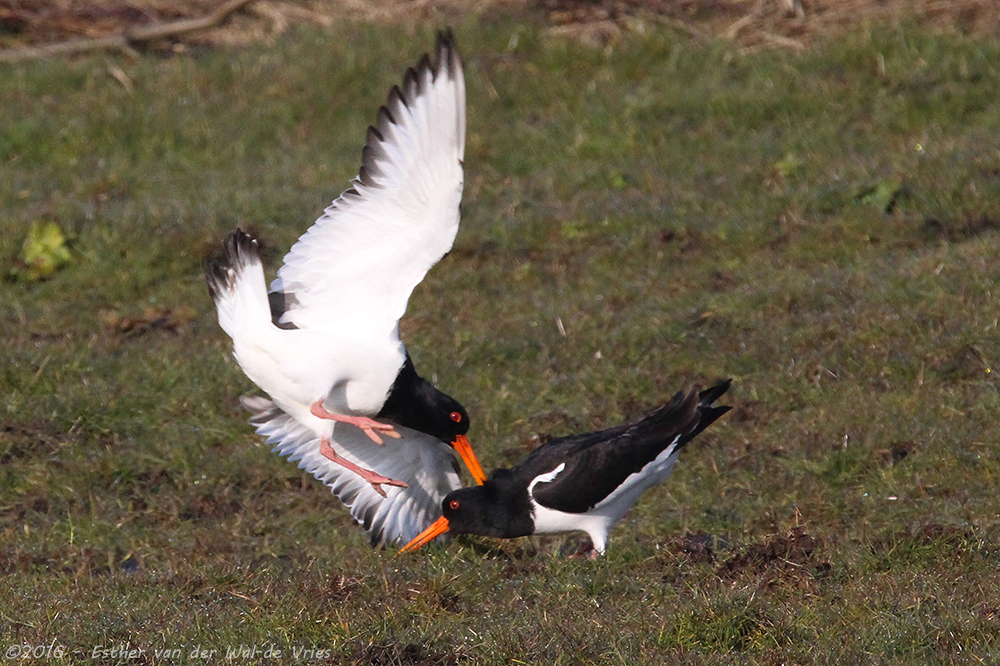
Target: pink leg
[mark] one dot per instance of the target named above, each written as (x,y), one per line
(369,426)
(371,477)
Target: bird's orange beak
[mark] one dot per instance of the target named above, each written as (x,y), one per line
(464,449)
(437,528)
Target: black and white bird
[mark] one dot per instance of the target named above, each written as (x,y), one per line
(324,344)
(582,482)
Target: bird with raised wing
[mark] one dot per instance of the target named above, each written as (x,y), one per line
(582,482)
(324,344)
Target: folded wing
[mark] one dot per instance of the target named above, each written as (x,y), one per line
(598,464)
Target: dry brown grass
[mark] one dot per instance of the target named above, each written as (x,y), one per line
(753,24)
(767,23)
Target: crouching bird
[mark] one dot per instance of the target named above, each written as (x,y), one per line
(582,482)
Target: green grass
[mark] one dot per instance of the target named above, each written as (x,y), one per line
(821,227)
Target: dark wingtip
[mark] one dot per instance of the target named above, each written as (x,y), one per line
(424,64)
(395,97)
(447,52)
(364,174)
(217,278)
(707,412)
(374,136)
(411,80)
(400,97)
(445,39)
(687,413)
(713,393)
(239,249)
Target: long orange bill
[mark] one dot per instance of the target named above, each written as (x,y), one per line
(464,449)
(437,528)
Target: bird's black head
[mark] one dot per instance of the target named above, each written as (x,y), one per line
(498,508)
(415,403)
(494,509)
(442,416)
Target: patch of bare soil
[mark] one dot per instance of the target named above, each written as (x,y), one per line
(399,654)
(26,23)
(752,24)
(151,319)
(781,560)
(38,439)
(700,548)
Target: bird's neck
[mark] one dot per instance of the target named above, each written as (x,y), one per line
(408,401)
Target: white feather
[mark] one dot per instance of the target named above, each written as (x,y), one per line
(376,242)
(422,461)
(347,280)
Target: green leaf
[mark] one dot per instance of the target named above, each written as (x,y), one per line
(883,195)
(43,253)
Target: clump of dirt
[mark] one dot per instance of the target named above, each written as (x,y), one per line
(897,452)
(780,560)
(399,654)
(170,320)
(699,548)
(444,601)
(36,439)
(960,229)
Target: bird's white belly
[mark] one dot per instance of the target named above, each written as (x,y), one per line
(550,521)
(298,367)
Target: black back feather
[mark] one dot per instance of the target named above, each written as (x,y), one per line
(598,462)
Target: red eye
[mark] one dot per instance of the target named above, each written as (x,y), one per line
(454,505)
(456,417)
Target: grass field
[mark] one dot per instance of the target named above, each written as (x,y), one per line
(822,227)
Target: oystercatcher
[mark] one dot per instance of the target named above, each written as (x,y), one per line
(581,482)
(333,355)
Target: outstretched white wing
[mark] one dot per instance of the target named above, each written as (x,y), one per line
(422,461)
(359,263)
